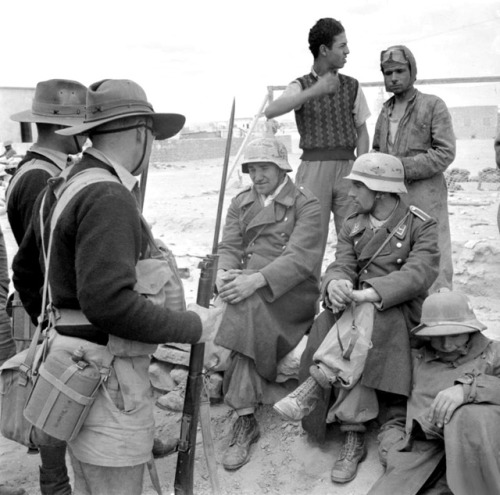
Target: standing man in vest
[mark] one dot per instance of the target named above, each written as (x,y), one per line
(331,113)
(57,104)
(97,242)
(417,128)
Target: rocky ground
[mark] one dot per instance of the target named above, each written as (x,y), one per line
(181,204)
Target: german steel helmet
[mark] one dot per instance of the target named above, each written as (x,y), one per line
(447,313)
(379,172)
(56,101)
(267,149)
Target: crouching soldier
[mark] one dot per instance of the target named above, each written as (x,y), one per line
(269,255)
(449,441)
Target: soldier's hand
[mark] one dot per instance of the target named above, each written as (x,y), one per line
(445,404)
(210,320)
(339,294)
(241,287)
(327,84)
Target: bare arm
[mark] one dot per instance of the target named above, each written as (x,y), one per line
(363,141)
(290,100)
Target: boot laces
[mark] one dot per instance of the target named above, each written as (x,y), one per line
(304,390)
(241,429)
(350,446)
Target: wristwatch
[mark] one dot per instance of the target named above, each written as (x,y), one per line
(468,381)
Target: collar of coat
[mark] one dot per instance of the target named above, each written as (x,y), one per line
(362,222)
(257,214)
(477,345)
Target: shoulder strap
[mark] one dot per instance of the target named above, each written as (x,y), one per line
(51,168)
(66,191)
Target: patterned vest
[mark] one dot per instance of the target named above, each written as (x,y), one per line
(327,123)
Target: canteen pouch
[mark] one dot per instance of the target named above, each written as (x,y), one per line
(62,395)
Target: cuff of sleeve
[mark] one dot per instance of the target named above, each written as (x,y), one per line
(468,382)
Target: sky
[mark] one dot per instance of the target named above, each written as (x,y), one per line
(194,56)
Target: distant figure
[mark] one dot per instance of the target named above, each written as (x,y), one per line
(9,151)
(417,128)
(448,442)
(331,113)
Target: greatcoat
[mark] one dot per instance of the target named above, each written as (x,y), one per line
(401,274)
(282,241)
(426,145)
(467,447)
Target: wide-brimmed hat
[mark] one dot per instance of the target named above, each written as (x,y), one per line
(56,101)
(266,150)
(7,143)
(379,172)
(113,99)
(447,313)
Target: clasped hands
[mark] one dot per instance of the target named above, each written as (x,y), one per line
(234,286)
(341,293)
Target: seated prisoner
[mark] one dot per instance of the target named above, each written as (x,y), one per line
(269,255)
(387,254)
(448,443)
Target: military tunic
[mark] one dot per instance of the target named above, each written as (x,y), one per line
(401,274)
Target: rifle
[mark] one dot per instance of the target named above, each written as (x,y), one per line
(183,484)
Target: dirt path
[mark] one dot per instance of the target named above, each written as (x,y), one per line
(181,205)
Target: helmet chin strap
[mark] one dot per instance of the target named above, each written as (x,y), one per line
(144,149)
(78,146)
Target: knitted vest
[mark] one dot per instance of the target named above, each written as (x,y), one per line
(327,123)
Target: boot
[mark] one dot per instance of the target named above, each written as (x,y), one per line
(301,402)
(245,432)
(7,490)
(55,481)
(352,453)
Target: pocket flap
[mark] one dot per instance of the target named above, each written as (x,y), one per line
(152,275)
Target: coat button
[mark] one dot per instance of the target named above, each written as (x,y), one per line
(365,271)
(249,255)
(285,219)
(399,261)
(283,234)
(398,244)
(284,247)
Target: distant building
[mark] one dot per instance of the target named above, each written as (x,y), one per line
(13,100)
(476,122)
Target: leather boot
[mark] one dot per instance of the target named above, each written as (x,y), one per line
(245,432)
(352,453)
(300,402)
(55,481)
(7,490)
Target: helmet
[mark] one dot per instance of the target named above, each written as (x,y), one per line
(399,54)
(267,149)
(447,313)
(379,172)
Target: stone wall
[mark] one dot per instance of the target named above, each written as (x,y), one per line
(176,150)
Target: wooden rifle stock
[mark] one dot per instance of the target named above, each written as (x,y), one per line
(184,474)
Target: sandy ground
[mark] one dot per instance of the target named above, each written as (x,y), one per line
(181,204)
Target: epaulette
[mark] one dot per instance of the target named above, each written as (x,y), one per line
(419,213)
(305,192)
